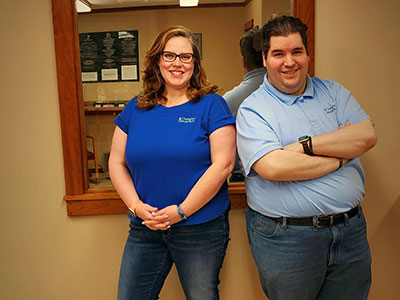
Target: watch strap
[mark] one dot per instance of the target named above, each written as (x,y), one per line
(181,213)
(306,142)
(310,145)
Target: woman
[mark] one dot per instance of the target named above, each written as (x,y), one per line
(172,150)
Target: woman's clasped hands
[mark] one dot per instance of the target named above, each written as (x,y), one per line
(157,219)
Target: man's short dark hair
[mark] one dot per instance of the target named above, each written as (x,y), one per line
(251,49)
(283,26)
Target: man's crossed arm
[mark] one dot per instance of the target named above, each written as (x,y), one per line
(330,150)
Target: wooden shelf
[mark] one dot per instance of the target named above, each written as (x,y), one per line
(102,110)
(107,201)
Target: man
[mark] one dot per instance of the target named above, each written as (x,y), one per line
(299,139)
(251,51)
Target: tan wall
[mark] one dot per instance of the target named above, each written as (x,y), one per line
(46,255)
(357,44)
(262,10)
(253,10)
(271,8)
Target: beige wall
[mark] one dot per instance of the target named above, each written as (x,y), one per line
(357,44)
(46,255)
(262,10)
(253,10)
(271,8)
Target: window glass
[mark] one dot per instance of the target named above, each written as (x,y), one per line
(218,30)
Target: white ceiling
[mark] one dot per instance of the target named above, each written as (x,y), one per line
(100,4)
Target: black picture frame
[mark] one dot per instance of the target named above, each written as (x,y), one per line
(198,41)
(114,52)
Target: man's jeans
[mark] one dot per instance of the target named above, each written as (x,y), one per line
(197,251)
(303,262)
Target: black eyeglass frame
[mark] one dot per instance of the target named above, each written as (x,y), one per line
(177,55)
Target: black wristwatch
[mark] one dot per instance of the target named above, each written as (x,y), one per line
(305,140)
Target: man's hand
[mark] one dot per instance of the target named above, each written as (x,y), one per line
(347,124)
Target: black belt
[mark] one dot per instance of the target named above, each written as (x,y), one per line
(319,221)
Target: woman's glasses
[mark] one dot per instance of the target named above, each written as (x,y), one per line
(171,56)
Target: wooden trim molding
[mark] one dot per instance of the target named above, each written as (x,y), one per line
(248,25)
(80,200)
(101,202)
(70,95)
(305,10)
(172,6)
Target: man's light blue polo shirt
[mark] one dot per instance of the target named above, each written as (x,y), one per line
(269,119)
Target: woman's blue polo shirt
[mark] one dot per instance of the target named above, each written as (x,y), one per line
(168,150)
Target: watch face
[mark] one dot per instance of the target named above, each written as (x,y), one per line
(303,138)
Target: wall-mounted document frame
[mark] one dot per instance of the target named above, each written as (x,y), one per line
(198,41)
(109,56)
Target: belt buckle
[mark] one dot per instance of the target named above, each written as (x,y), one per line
(320,218)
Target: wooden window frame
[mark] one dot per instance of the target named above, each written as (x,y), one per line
(79,198)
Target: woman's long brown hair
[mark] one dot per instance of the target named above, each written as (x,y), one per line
(153,82)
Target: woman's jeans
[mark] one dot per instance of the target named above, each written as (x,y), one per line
(197,251)
(308,263)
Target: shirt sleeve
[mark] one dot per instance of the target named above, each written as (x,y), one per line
(124,118)
(348,109)
(219,114)
(235,97)
(255,137)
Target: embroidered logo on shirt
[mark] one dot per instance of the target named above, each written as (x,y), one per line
(330,109)
(186,120)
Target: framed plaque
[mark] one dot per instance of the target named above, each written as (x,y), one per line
(109,56)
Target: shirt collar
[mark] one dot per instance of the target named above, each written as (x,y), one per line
(254,73)
(289,99)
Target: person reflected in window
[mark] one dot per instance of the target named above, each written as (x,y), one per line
(251,51)
(172,150)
